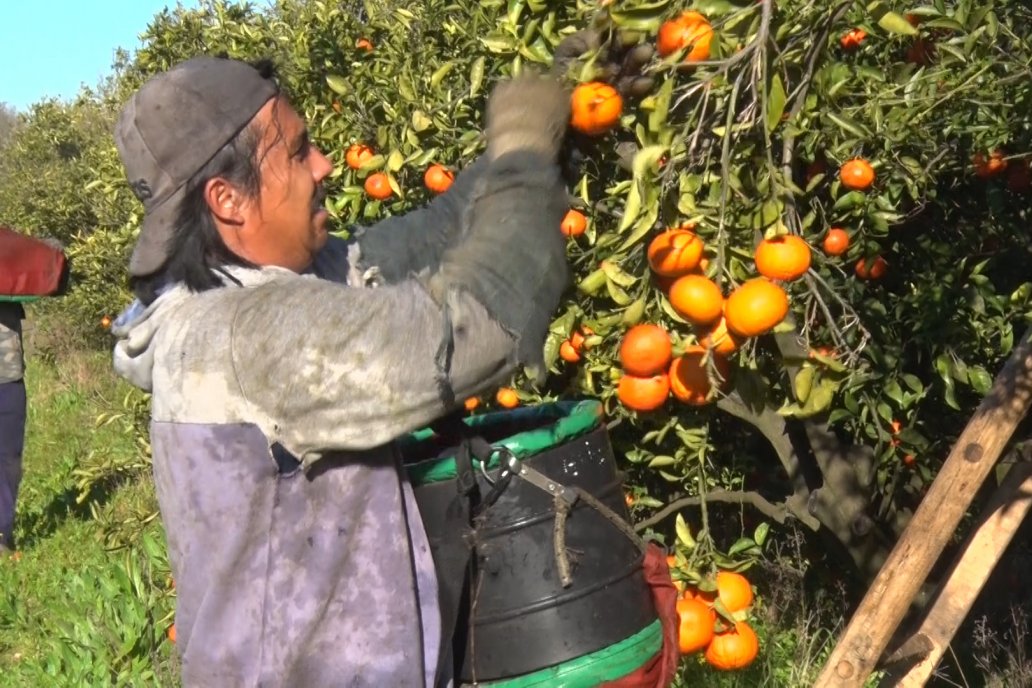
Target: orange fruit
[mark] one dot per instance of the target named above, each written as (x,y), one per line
(689,378)
(733,649)
(595,108)
(577,337)
(471,404)
(105,322)
(337,107)
(172,633)
(871,268)
(857,174)
(836,241)
(364,44)
(568,352)
(755,307)
(695,625)
(507,398)
(825,351)
(697,299)
(438,178)
(689,30)
(991,167)
(852,39)
(719,339)
(357,154)
(645,350)
(734,591)
(378,186)
(643,393)
(785,257)
(675,252)
(574,223)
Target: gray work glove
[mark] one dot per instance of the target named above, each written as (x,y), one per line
(620,63)
(528,114)
(513,257)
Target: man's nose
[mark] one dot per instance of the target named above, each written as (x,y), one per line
(321,165)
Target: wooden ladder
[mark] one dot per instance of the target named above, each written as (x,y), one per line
(865,639)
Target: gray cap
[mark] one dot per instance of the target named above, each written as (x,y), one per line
(171,128)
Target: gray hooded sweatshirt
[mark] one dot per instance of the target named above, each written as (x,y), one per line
(320,574)
(297,548)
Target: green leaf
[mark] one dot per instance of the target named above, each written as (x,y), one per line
(848,125)
(894,392)
(645,17)
(760,534)
(662,461)
(395,161)
(337,84)
(476,76)
(618,295)
(420,121)
(684,534)
(632,314)
(981,381)
(438,76)
(618,275)
(632,208)
(741,545)
(775,103)
(658,116)
(803,383)
(643,227)
(894,23)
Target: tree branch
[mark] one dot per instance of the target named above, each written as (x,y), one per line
(777,512)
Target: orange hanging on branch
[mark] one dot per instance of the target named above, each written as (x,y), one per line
(595,108)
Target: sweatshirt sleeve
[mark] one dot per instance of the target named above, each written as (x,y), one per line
(404,245)
(342,368)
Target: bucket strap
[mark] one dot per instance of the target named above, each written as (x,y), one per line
(563,499)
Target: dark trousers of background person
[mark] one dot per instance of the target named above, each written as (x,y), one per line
(12,442)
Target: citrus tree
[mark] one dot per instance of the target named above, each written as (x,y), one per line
(798,231)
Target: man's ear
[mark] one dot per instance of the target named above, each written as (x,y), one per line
(225,201)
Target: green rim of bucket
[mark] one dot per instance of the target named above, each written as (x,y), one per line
(18,299)
(572,419)
(607,664)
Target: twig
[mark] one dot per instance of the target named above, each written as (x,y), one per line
(779,513)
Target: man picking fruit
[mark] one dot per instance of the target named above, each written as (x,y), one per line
(283,362)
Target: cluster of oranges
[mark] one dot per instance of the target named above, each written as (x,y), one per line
(437,178)
(678,263)
(576,344)
(1019,172)
(855,175)
(727,639)
(505,397)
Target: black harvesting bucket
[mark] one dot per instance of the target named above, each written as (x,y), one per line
(523,618)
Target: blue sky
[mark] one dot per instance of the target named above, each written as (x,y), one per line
(49,49)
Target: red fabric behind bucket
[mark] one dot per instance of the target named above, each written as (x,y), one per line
(659,671)
(28,267)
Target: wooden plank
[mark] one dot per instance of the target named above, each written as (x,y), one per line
(972,458)
(1006,511)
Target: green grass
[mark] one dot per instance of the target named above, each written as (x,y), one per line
(73,609)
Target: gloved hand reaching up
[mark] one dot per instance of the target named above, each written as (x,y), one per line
(512,257)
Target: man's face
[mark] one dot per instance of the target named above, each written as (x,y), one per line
(286,224)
